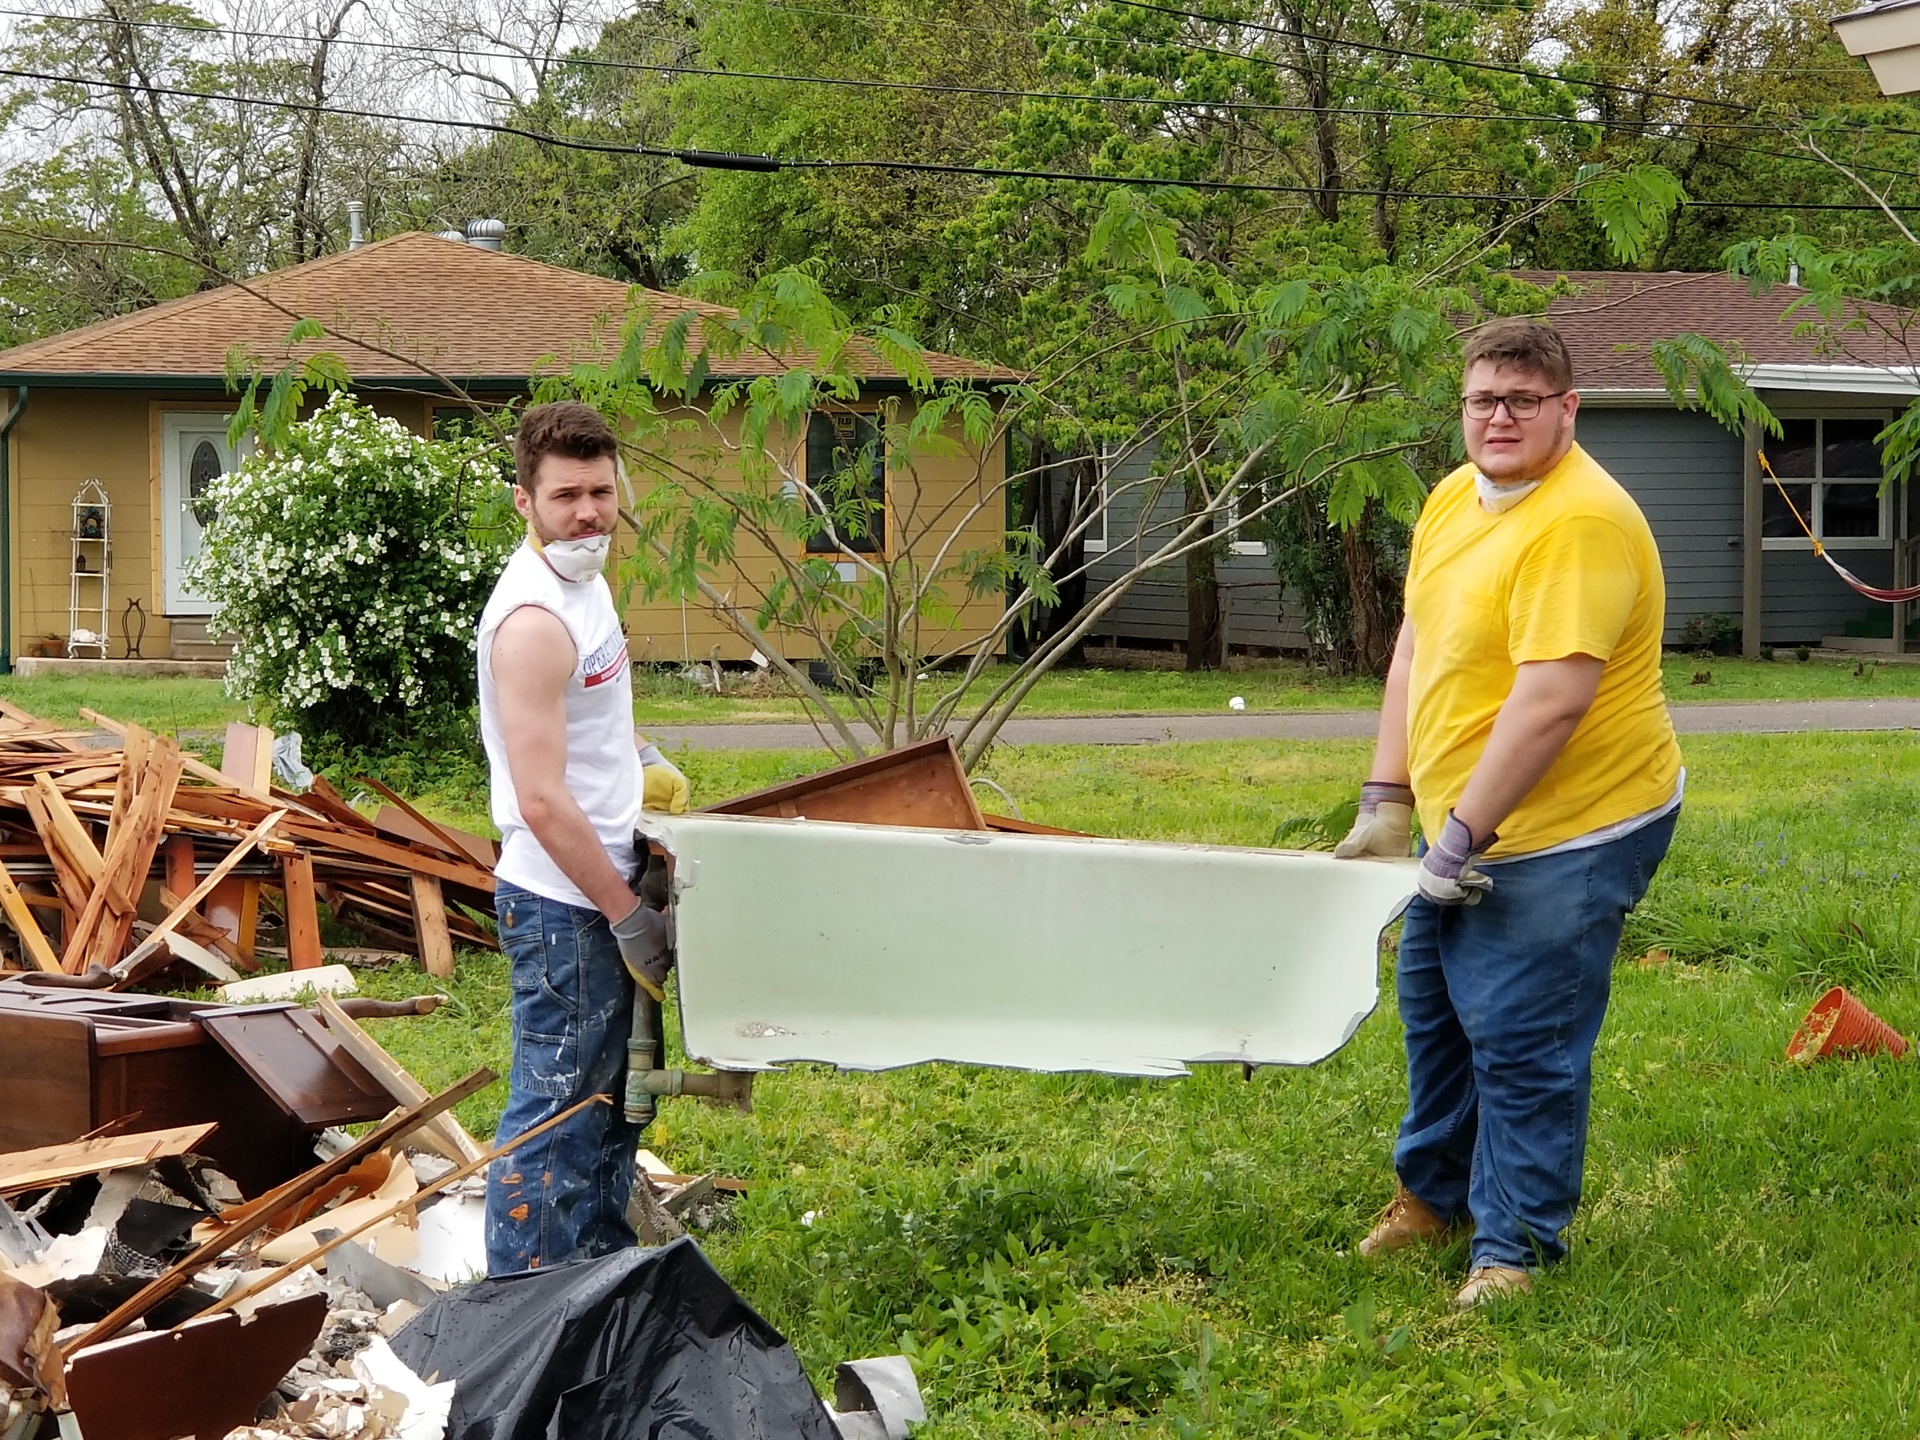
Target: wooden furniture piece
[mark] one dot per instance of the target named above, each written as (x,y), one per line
(73,1060)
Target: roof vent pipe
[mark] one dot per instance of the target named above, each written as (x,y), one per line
(356,224)
(486,234)
(1793,273)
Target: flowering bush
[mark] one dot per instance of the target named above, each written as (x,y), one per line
(350,565)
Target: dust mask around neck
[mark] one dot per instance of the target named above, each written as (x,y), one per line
(1495,497)
(576,560)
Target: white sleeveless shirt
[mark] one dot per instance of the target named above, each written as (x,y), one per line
(603,768)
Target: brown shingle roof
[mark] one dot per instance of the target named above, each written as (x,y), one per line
(465,312)
(1611,323)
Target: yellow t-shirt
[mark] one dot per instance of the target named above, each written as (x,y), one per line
(1570,570)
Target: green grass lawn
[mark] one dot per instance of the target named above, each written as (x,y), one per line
(663,698)
(202,708)
(1091,1256)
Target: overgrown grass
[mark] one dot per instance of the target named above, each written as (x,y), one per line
(1090,1256)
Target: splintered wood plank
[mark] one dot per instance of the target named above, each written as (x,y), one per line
(444,1132)
(56,1164)
(471,876)
(33,940)
(179,852)
(430,925)
(67,830)
(247,759)
(303,912)
(234,907)
(129,969)
(107,924)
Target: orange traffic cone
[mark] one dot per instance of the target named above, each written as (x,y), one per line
(1840,1024)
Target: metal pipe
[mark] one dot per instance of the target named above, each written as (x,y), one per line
(727,1087)
(642,1056)
(6,529)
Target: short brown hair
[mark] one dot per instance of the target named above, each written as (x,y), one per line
(1522,344)
(564,427)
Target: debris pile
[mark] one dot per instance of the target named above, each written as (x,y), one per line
(189,1242)
(122,855)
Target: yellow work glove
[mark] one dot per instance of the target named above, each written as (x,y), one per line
(662,786)
(1384,825)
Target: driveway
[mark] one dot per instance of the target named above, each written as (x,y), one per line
(1754,717)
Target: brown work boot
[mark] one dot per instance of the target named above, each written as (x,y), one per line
(1488,1283)
(1407,1220)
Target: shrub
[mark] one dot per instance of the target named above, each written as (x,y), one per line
(350,565)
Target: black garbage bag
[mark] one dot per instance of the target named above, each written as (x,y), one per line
(637,1345)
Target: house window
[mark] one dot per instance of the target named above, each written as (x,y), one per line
(847,473)
(1829,469)
(1095,535)
(1251,495)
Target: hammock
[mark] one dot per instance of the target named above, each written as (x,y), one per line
(1872,592)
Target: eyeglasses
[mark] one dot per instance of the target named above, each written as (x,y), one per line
(1523,405)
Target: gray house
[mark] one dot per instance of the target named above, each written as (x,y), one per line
(1728,537)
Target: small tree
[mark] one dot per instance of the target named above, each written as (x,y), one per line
(349,563)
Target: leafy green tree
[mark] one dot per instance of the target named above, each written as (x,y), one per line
(882,234)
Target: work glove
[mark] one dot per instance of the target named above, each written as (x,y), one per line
(645,936)
(1447,874)
(662,786)
(1384,825)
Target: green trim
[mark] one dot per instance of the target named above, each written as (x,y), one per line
(6,527)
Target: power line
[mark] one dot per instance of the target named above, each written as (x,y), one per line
(1644,129)
(1655,130)
(727,160)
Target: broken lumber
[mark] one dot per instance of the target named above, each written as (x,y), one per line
(57,1164)
(445,1134)
(245,1220)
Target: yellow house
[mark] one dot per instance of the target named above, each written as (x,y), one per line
(111,431)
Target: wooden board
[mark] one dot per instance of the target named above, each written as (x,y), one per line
(444,1132)
(33,940)
(430,925)
(206,1378)
(303,913)
(56,1164)
(921,786)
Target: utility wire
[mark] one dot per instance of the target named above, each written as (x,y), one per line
(590,62)
(1648,129)
(765,164)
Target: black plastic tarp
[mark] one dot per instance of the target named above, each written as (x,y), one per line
(637,1345)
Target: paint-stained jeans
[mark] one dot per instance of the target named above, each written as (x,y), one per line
(1502,1003)
(562,1196)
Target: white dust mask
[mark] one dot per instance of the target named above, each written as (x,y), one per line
(575,560)
(1495,497)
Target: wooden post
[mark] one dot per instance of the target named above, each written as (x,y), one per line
(430,925)
(303,915)
(1752,548)
(178,850)
(247,761)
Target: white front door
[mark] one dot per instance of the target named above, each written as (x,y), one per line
(193,454)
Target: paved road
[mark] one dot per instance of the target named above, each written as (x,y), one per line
(1742,718)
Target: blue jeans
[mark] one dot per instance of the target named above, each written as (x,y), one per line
(562,1196)
(1502,1003)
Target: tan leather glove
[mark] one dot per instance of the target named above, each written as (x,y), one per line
(1384,825)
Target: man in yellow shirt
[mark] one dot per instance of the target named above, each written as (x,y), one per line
(1524,720)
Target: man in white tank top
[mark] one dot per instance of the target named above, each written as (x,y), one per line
(556,717)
